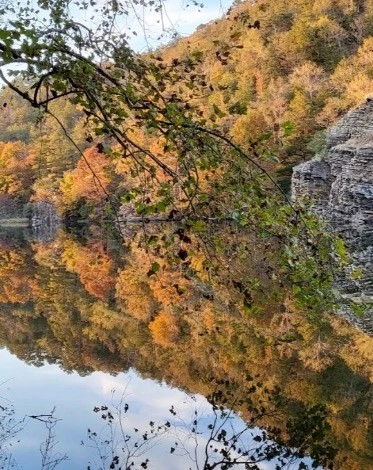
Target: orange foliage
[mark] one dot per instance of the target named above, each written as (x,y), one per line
(141,293)
(89,180)
(93,266)
(169,287)
(15,168)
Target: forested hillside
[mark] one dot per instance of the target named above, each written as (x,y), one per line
(271,75)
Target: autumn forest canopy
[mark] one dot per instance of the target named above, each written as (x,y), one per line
(182,253)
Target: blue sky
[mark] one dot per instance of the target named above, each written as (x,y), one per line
(176,16)
(148,25)
(186,19)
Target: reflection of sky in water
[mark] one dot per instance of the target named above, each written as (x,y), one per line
(34,391)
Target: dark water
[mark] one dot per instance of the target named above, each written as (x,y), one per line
(96,322)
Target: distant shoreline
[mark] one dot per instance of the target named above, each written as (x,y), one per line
(15,222)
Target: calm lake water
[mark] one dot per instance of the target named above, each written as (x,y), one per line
(88,323)
(37,390)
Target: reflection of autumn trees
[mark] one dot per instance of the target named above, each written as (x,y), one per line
(133,293)
(151,282)
(16,282)
(186,337)
(164,329)
(93,266)
(90,262)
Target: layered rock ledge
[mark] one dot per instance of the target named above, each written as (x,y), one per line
(339,186)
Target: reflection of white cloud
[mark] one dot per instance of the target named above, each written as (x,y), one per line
(108,383)
(148,396)
(35,390)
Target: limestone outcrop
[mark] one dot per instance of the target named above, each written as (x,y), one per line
(339,186)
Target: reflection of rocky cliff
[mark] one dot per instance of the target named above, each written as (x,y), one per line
(44,221)
(340,187)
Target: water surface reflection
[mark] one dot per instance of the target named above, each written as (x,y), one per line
(77,311)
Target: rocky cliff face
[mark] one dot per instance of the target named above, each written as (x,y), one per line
(339,186)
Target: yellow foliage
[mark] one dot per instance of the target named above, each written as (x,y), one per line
(309,78)
(17,284)
(249,127)
(317,356)
(208,317)
(15,168)
(169,288)
(133,293)
(164,329)
(197,262)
